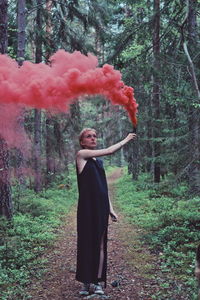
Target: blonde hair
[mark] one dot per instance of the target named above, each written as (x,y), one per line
(82,133)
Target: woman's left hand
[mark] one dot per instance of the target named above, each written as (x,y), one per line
(113,216)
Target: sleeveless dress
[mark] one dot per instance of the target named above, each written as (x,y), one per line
(92,221)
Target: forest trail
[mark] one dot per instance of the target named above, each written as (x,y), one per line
(125,259)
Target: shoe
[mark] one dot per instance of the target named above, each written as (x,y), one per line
(85,290)
(98,289)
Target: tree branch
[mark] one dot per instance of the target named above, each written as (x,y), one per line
(191,64)
(193,74)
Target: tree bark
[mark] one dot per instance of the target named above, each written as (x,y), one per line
(3,26)
(50,163)
(75,120)
(37,151)
(21,31)
(149,145)
(5,190)
(135,159)
(37,113)
(49,43)
(156,90)
(59,139)
(193,120)
(21,35)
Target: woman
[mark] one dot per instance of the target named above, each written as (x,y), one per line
(94,208)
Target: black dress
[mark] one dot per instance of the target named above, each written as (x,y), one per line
(92,221)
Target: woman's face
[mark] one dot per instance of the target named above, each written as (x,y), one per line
(89,140)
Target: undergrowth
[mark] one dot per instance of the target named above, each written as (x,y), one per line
(170,222)
(32,231)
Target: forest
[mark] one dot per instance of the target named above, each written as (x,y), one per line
(153,46)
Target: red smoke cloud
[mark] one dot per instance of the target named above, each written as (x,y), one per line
(55,86)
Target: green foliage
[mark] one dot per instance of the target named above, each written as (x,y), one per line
(133,51)
(170,223)
(31,232)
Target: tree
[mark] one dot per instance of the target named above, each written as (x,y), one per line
(5,191)
(21,36)
(74,23)
(3,26)
(194,109)
(156,90)
(21,31)
(37,113)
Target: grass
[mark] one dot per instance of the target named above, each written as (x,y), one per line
(170,224)
(32,230)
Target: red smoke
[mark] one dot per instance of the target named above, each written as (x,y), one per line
(55,86)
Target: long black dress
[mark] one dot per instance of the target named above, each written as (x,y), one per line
(92,221)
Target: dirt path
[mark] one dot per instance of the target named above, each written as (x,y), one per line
(123,249)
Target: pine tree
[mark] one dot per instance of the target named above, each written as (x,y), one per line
(5,191)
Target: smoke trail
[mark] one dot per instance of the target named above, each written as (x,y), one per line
(54,87)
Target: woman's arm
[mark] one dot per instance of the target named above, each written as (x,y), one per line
(87,153)
(112,213)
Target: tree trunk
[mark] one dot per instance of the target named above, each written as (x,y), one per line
(156,90)
(135,159)
(21,31)
(194,123)
(49,43)
(59,145)
(37,151)
(50,163)
(5,191)
(49,120)
(149,146)
(37,113)
(5,196)
(132,156)
(75,119)
(3,26)
(21,25)
(175,143)
(121,152)
(38,42)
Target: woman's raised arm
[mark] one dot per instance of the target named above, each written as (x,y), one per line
(87,153)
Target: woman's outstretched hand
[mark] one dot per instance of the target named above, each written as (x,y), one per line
(129,137)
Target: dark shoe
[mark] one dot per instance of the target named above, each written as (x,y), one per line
(98,289)
(85,290)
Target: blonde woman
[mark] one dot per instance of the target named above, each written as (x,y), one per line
(94,208)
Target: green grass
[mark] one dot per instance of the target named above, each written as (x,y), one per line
(31,232)
(170,223)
